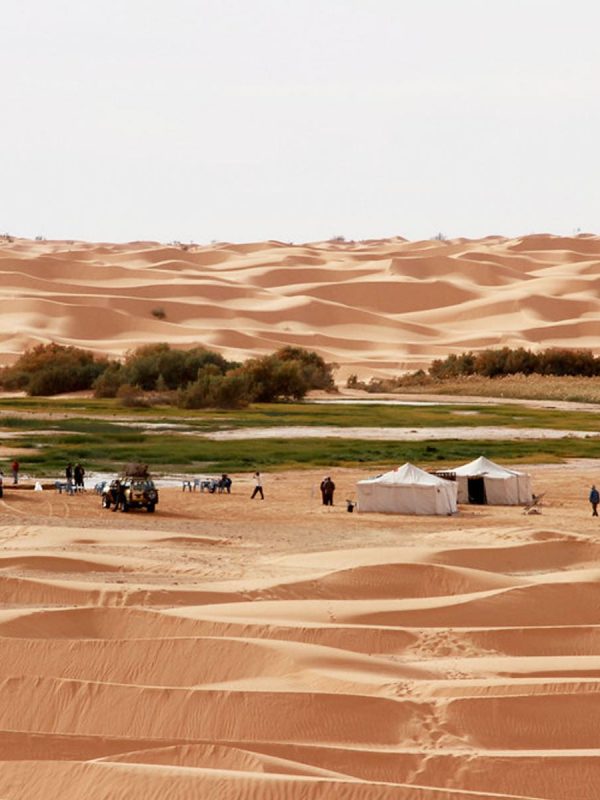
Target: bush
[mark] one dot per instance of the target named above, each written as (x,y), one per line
(146,365)
(201,377)
(316,373)
(131,396)
(109,382)
(49,369)
(213,389)
(492,363)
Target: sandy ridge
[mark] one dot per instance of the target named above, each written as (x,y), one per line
(372,307)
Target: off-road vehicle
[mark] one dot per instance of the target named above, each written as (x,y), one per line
(135,490)
(139,493)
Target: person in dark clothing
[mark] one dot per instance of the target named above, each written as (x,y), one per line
(594,500)
(327,490)
(116,494)
(78,474)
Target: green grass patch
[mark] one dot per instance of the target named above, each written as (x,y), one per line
(102,439)
(184,454)
(101,415)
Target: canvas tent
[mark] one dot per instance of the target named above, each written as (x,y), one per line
(483,482)
(407,490)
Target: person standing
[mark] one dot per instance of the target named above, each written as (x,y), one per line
(258,487)
(78,474)
(594,500)
(69,478)
(15,470)
(327,490)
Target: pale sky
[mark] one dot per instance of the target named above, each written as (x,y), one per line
(298,120)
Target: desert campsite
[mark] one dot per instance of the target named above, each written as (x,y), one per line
(300,400)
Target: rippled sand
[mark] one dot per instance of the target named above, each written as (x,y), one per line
(232,648)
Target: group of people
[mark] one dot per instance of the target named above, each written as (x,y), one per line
(327,489)
(75,483)
(74,476)
(212,485)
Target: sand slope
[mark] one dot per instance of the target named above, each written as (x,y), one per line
(302,653)
(372,307)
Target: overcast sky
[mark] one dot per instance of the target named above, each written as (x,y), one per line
(298,120)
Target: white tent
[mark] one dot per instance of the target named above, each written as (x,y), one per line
(407,490)
(483,482)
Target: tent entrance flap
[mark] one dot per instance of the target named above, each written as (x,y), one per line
(476,490)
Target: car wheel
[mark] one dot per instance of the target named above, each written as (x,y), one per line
(125,506)
(150,508)
(105,502)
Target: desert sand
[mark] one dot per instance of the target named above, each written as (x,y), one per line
(228,648)
(373,307)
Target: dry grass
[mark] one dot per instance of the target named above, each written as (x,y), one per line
(526,387)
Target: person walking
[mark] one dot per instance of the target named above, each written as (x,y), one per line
(15,470)
(594,500)
(258,487)
(327,490)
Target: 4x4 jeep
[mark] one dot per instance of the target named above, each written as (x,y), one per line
(139,493)
(130,492)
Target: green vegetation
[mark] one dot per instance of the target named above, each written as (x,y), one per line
(52,369)
(183,454)
(169,439)
(196,378)
(71,413)
(554,373)
(506,361)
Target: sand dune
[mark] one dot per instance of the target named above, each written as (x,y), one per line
(373,307)
(294,651)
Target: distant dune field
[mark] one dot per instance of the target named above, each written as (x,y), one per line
(374,307)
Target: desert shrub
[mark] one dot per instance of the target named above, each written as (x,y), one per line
(146,365)
(271,379)
(131,396)
(13,380)
(202,377)
(213,389)
(453,365)
(287,374)
(315,371)
(492,363)
(108,383)
(49,369)
(159,313)
(563,361)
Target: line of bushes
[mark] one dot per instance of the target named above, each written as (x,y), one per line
(506,361)
(490,363)
(196,378)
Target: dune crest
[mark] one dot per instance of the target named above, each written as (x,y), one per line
(373,307)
